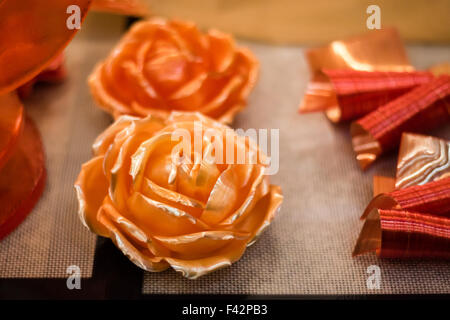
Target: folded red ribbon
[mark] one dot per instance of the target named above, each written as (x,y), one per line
(432,197)
(408,223)
(407,234)
(419,110)
(361,92)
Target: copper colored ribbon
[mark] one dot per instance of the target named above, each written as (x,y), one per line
(432,197)
(408,223)
(422,159)
(421,109)
(407,234)
(379,50)
(412,221)
(382,185)
(361,92)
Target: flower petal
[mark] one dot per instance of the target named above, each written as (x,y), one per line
(106,138)
(97,83)
(195,40)
(222,50)
(140,256)
(91,187)
(157,218)
(258,189)
(223,95)
(245,57)
(200,244)
(155,150)
(197,182)
(117,162)
(262,214)
(223,198)
(189,94)
(154,191)
(195,268)
(177,116)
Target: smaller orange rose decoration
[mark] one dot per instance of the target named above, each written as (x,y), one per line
(160,66)
(184,191)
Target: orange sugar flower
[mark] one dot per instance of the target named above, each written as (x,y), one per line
(160,66)
(189,208)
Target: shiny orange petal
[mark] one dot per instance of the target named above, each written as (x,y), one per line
(223,198)
(222,50)
(118,160)
(195,268)
(155,191)
(259,188)
(139,255)
(106,138)
(157,218)
(200,244)
(231,197)
(262,214)
(92,188)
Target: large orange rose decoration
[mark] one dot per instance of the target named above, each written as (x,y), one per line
(162,205)
(160,66)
